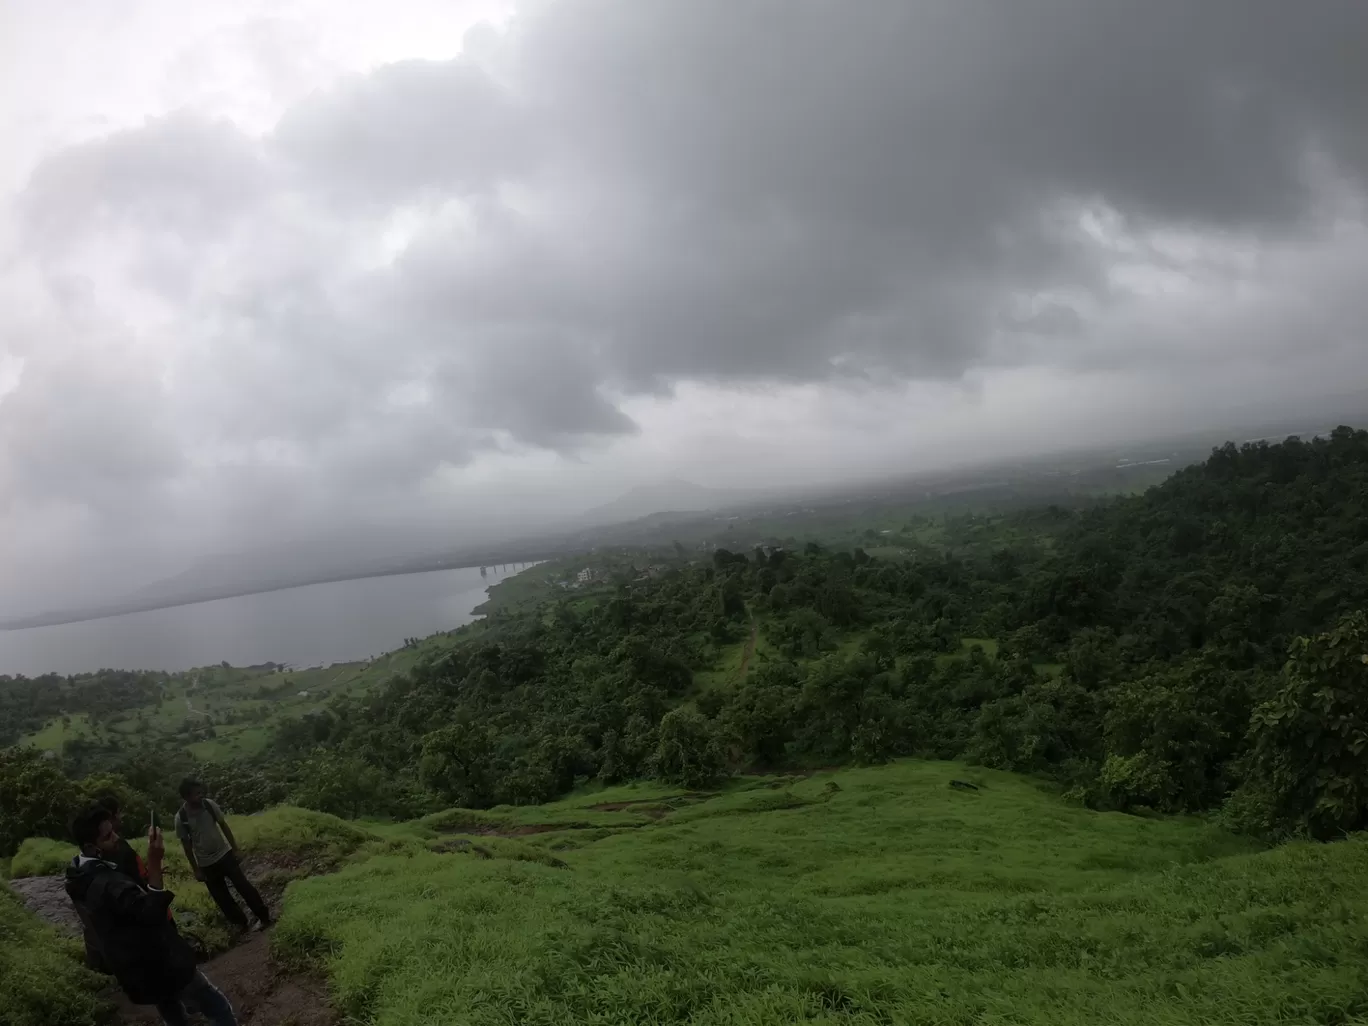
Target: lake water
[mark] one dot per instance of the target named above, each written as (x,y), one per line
(308,626)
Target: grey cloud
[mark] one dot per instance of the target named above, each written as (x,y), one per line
(797,191)
(79,428)
(409,127)
(180,174)
(780,191)
(614,198)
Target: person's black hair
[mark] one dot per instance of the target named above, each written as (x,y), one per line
(189,784)
(110,802)
(85,825)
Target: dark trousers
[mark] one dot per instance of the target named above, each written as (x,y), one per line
(227,870)
(204,997)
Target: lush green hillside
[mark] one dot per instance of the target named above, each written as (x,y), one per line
(1137,651)
(878,895)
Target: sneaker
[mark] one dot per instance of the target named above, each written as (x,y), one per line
(261,925)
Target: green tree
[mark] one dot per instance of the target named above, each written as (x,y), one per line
(1166,743)
(456,763)
(688,751)
(341,785)
(1309,762)
(36,798)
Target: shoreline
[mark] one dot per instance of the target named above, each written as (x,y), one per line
(128,609)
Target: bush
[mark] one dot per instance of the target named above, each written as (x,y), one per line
(1310,740)
(36,797)
(288,830)
(688,752)
(41,856)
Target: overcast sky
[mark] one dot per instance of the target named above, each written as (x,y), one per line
(272,269)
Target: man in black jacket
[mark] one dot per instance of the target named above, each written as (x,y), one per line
(131,920)
(130,863)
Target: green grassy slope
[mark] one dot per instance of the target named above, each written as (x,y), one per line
(42,979)
(888,898)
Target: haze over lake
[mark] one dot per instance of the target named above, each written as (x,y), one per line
(318,623)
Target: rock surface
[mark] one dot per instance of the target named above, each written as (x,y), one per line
(47,898)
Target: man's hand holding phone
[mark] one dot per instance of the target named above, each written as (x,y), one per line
(156,853)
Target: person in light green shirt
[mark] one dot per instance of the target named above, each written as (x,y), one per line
(211,849)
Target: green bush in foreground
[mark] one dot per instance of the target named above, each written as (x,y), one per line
(890,898)
(41,856)
(42,980)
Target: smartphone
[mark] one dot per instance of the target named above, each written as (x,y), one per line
(152,817)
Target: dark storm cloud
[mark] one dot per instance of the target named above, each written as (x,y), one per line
(615,197)
(781,191)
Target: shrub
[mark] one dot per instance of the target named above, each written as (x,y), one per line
(688,752)
(41,856)
(36,797)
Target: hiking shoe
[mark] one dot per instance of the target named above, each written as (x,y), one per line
(261,925)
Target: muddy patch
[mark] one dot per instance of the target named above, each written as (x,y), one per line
(272,873)
(656,808)
(641,807)
(262,993)
(514,829)
(465,847)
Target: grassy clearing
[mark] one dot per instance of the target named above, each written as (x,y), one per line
(56,732)
(240,705)
(725,672)
(967,645)
(887,898)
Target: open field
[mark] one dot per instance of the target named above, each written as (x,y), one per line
(865,896)
(862,896)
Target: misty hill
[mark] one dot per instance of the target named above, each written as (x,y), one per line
(673,495)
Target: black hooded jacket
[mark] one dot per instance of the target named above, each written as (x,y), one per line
(140,942)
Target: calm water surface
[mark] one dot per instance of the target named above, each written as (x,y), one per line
(309,626)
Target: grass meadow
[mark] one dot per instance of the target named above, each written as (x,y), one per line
(863,896)
(874,896)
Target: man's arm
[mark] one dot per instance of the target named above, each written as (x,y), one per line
(189,850)
(156,854)
(222,821)
(127,900)
(183,832)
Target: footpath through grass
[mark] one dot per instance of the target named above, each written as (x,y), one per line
(889,897)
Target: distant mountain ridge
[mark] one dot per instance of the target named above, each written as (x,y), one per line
(672,495)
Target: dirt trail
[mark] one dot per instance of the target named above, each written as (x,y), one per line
(262,994)
(748,651)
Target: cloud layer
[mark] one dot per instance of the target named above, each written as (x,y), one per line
(438,263)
